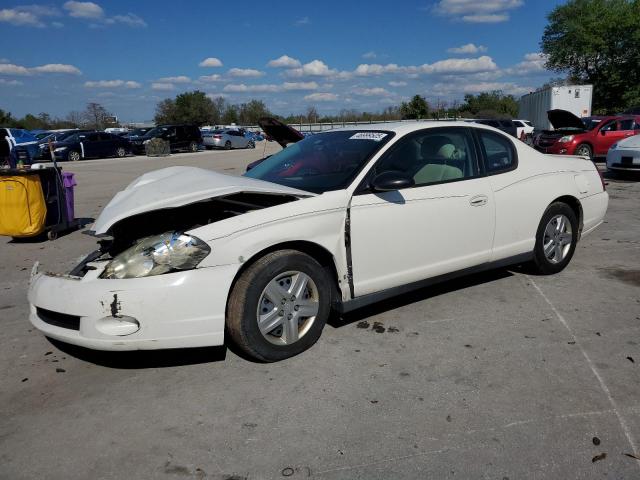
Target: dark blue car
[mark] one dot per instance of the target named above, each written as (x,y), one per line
(91,145)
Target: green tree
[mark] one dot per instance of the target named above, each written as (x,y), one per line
(6,119)
(417,107)
(249,113)
(597,42)
(494,104)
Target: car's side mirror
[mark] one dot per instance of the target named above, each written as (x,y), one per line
(603,132)
(390,181)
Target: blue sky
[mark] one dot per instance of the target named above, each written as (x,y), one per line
(128,55)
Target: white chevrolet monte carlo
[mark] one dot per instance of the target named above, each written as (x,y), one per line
(336,221)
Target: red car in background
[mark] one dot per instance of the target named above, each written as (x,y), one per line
(572,136)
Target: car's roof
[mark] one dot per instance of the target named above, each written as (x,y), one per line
(405,127)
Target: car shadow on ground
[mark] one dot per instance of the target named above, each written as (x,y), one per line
(337,320)
(622,177)
(141,359)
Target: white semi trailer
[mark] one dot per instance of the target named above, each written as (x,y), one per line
(573,98)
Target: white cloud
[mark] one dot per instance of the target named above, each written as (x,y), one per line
(394,83)
(469,48)
(372,92)
(84,9)
(244,72)
(459,88)
(533,63)
(289,86)
(489,18)
(10,82)
(447,66)
(370,55)
(214,96)
(178,79)
(321,97)
(462,65)
(285,61)
(315,68)
(211,78)
(57,68)
(11,69)
(57,24)
(210,62)
(241,88)
(112,84)
(15,17)
(302,21)
(164,86)
(130,19)
(473,11)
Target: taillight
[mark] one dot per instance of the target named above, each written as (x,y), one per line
(604,185)
(217,136)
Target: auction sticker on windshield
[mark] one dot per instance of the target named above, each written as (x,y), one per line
(375,136)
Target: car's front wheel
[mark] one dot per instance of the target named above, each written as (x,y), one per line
(584,150)
(251,144)
(556,239)
(279,306)
(73,155)
(193,147)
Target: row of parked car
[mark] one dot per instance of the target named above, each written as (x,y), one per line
(78,144)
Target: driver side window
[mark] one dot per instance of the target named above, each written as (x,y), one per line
(611,126)
(432,156)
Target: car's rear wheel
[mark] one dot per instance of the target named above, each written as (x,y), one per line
(121,152)
(279,306)
(556,239)
(251,144)
(584,150)
(227,145)
(73,156)
(193,147)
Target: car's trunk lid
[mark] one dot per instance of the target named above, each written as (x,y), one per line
(279,132)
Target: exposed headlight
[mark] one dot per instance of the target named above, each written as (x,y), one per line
(156,255)
(566,139)
(60,149)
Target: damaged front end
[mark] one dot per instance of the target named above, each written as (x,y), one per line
(155,242)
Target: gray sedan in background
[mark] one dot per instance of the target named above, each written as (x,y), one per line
(227,139)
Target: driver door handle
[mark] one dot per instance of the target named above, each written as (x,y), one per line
(479,200)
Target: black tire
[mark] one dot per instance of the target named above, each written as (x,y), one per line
(242,323)
(227,145)
(193,147)
(584,150)
(251,144)
(121,152)
(541,264)
(73,156)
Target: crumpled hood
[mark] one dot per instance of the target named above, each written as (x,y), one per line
(178,186)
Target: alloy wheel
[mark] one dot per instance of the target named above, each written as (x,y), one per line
(557,239)
(287,308)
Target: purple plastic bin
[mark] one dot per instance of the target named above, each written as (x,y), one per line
(68,181)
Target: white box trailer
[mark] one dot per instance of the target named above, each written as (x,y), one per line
(573,98)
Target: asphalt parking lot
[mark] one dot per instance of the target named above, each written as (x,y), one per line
(499,376)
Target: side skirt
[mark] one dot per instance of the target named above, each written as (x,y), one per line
(370,298)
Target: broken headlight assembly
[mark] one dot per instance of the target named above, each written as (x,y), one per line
(164,253)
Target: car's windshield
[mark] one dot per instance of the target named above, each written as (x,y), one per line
(323,162)
(156,132)
(137,132)
(591,123)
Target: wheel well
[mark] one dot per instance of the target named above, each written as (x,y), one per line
(575,205)
(315,251)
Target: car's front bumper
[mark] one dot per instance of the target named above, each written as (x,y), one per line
(176,310)
(622,159)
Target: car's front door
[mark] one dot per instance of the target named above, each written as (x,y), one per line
(90,145)
(608,134)
(442,224)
